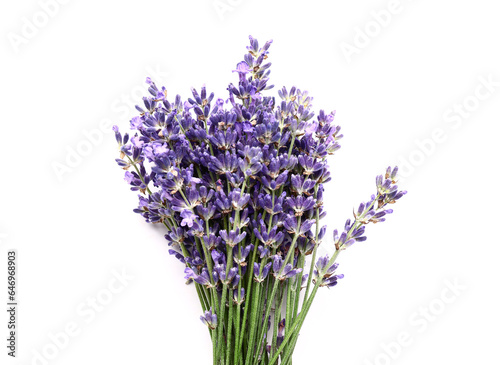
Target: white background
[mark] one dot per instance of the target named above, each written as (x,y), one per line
(83,67)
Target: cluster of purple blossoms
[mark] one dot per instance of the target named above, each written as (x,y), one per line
(238,184)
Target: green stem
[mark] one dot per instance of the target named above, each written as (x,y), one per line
(222,307)
(289,310)
(277,317)
(298,284)
(214,347)
(237,329)
(229,329)
(253,324)
(248,293)
(291,146)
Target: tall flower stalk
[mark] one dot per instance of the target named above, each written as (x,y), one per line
(238,185)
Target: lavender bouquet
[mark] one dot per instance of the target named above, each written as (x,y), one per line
(238,185)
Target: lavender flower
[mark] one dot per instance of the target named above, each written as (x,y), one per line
(210,319)
(238,184)
(261,271)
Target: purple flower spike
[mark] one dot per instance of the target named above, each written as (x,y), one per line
(321,264)
(300,204)
(263,252)
(240,257)
(277,264)
(305,227)
(256,269)
(304,280)
(202,279)
(302,185)
(289,272)
(242,68)
(241,296)
(232,238)
(291,224)
(210,319)
(331,281)
(322,232)
(261,276)
(325,273)
(188,217)
(273,238)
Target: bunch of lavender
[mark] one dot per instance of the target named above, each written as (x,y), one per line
(238,185)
